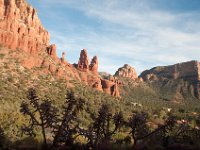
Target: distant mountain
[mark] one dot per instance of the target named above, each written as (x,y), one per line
(186,71)
(22,34)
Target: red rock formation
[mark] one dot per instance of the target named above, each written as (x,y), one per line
(188,71)
(1,8)
(31,62)
(126,71)
(97,85)
(20,27)
(52,68)
(110,87)
(51,50)
(83,63)
(106,84)
(62,59)
(94,65)
(115,90)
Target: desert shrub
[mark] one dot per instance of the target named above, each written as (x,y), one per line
(1,55)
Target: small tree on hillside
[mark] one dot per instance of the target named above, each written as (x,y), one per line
(67,126)
(42,115)
(140,130)
(99,134)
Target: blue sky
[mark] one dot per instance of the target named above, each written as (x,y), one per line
(142,33)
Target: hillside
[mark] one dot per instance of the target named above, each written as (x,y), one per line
(186,71)
(21,23)
(29,61)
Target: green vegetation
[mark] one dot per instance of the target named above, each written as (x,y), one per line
(1,56)
(151,104)
(53,127)
(156,95)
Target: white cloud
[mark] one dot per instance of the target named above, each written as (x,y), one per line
(130,32)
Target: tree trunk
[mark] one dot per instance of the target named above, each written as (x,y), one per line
(134,144)
(44,136)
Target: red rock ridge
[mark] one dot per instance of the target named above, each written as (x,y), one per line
(188,71)
(20,27)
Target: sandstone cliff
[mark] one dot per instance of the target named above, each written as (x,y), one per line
(20,27)
(21,30)
(188,71)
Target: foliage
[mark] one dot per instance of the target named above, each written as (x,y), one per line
(45,110)
(104,126)
(150,97)
(66,128)
(45,116)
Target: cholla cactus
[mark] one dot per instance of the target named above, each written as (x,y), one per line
(63,133)
(104,127)
(43,115)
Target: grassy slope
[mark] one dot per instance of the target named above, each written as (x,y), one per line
(15,81)
(154,95)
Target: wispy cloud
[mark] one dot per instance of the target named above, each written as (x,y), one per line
(129,31)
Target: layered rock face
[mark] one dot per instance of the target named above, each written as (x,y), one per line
(188,71)
(20,27)
(127,71)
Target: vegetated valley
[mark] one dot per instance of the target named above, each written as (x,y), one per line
(48,103)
